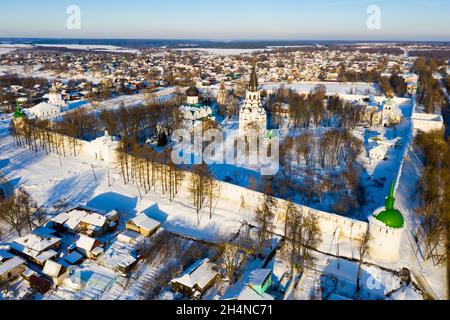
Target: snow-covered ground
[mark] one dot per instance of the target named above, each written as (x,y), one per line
(49,179)
(357,88)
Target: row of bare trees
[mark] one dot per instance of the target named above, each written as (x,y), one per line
(429,91)
(333,149)
(42,135)
(203,189)
(302,235)
(148,169)
(315,108)
(434,195)
(335,153)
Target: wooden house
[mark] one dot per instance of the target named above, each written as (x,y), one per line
(196,279)
(89,247)
(143,225)
(55,272)
(11,269)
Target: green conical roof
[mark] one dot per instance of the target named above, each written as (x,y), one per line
(391,216)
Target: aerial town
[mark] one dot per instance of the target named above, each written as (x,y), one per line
(189,172)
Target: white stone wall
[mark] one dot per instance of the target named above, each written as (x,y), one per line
(385,244)
(427,122)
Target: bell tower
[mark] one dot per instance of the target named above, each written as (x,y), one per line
(252,115)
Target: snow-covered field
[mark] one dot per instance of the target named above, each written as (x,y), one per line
(223,52)
(6,48)
(107,48)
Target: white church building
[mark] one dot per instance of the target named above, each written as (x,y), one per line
(103,148)
(51,109)
(193,111)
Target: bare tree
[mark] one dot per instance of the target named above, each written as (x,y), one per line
(17,212)
(265,214)
(363,250)
(230,260)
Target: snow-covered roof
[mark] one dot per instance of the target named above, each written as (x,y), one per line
(249,294)
(73,218)
(10,265)
(258,276)
(145,222)
(128,236)
(61,218)
(52,269)
(85,242)
(94,219)
(199,274)
(44,108)
(46,255)
(34,245)
(119,254)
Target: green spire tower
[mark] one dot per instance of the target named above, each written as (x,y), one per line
(18,113)
(391,216)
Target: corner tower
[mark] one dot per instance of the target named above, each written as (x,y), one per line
(386,227)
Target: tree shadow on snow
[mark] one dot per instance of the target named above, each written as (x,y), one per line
(339,279)
(156,213)
(114,201)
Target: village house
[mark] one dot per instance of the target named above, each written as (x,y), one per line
(37,249)
(55,272)
(89,247)
(255,287)
(260,280)
(143,225)
(91,222)
(10,268)
(120,257)
(196,279)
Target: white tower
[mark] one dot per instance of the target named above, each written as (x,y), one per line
(222,95)
(252,115)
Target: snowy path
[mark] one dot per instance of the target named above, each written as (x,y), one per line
(308,286)
(431,277)
(140,287)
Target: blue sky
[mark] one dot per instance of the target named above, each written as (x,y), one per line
(228,19)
